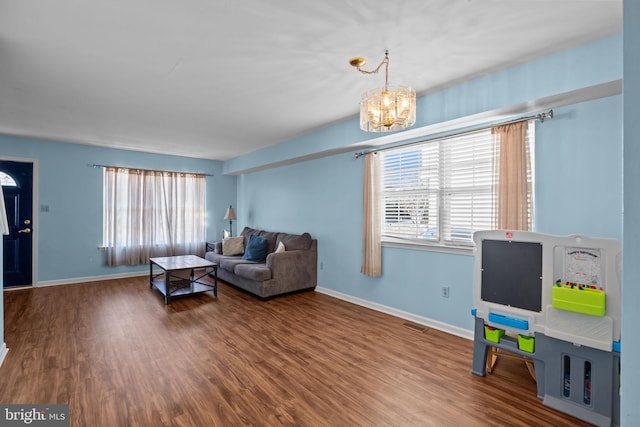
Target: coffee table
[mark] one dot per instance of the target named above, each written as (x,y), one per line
(175,276)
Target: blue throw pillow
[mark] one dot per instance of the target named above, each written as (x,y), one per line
(256,249)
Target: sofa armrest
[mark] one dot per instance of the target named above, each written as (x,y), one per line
(296,267)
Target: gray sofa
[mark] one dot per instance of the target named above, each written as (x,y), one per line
(293,269)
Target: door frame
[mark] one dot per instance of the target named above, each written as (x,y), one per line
(35,219)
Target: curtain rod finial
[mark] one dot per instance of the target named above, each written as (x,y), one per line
(547,115)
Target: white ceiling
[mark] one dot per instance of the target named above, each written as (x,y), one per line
(219,78)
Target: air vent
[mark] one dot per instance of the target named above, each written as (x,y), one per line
(415,327)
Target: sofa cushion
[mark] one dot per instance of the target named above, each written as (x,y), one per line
(247,231)
(256,249)
(257,272)
(214,256)
(295,242)
(233,246)
(230,263)
(271,240)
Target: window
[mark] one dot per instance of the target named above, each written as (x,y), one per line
(439,192)
(7,180)
(152,213)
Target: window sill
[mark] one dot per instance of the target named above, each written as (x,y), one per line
(458,250)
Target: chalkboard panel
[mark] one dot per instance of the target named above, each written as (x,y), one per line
(512,274)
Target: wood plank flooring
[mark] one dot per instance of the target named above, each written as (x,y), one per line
(118,356)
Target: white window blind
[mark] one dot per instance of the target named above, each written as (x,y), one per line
(439,192)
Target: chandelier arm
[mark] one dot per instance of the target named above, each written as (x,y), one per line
(384,62)
(375,71)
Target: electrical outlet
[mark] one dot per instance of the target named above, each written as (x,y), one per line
(445,292)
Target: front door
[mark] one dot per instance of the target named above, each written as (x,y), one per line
(17,186)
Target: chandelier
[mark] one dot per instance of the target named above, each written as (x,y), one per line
(385,109)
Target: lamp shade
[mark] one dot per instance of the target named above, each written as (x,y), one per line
(230,214)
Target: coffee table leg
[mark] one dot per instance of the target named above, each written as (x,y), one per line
(167,295)
(215,281)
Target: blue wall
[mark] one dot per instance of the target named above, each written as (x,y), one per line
(71,232)
(579,170)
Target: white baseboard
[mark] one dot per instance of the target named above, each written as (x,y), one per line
(91,278)
(421,320)
(3,352)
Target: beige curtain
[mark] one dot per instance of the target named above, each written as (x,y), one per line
(512,180)
(152,213)
(371,241)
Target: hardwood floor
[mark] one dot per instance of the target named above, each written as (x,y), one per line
(118,356)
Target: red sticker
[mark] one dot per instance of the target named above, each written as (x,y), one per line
(509,235)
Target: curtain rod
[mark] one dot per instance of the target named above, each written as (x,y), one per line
(540,116)
(146,170)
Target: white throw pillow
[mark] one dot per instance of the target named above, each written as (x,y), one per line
(280,248)
(233,246)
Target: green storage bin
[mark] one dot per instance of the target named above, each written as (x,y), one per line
(526,343)
(493,334)
(585,301)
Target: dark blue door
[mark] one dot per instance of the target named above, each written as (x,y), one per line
(17,186)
